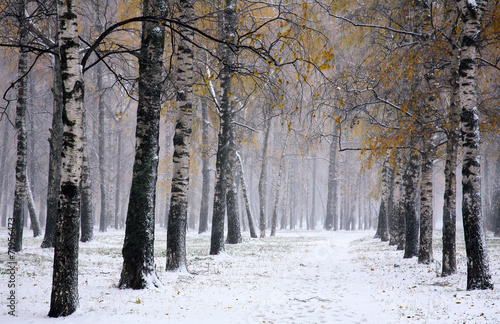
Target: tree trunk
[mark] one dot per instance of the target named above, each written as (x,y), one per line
(263,180)
(426,223)
(31,175)
(55,142)
(278,187)
(428,90)
(495,208)
(229,21)
(352,206)
(293,200)
(64,297)
(233,217)
(205,170)
(253,233)
(4,172)
(35,223)
(138,270)
(478,271)
(397,221)
(118,179)
(359,193)
(450,191)
(241,202)
(343,197)
(284,206)
(16,239)
(383,216)
(394,233)
(177,218)
(366,205)
(410,183)
(449,260)
(312,221)
(402,221)
(87,215)
(332,216)
(103,218)
(219,206)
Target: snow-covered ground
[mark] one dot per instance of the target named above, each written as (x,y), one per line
(296,277)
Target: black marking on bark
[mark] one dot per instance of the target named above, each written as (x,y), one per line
(69,190)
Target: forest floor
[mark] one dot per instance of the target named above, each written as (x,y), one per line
(296,277)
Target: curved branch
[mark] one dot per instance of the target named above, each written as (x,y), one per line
(355,24)
(489,63)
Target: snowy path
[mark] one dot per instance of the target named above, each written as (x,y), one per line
(319,284)
(287,279)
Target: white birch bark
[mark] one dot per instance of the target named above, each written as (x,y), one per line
(16,237)
(478,272)
(332,217)
(3,172)
(449,259)
(263,181)
(177,219)
(104,217)
(55,142)
(64,297)
(382,228)
(228,30)
(205,156)
(248,208)
(35,223)
(410,186)
(274,219)
(425,239)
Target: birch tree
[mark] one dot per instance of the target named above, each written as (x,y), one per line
(118,205)
(383,216)
(263,180)
(205,171)
(251,226)
(426,223)
(16,239)
(138,270)
(233,215)
(35,223)
(87,214)
(410,184)
(332,217)
(228,57)
(397,225)
(177,218)
(450,191)
(64,296)
(104,217)
(274,219)
(55,145)
(478,272)
(495,208)
(426,86)
(3,166)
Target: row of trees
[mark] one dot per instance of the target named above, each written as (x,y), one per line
(426,98)
(269,84)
